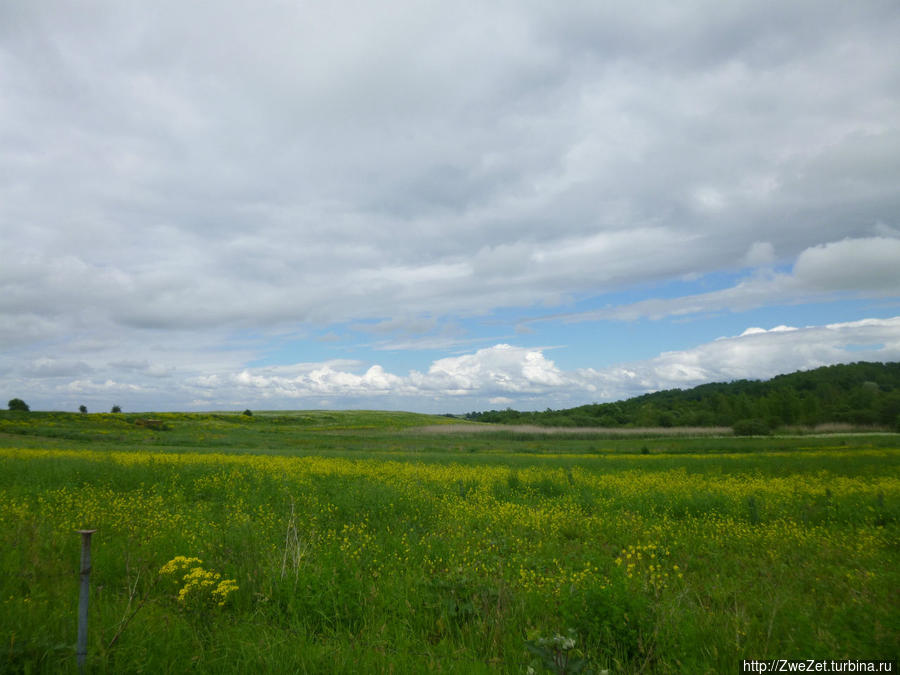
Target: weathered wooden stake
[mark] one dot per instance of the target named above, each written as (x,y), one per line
(83,598)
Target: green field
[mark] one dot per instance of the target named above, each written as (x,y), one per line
(358,542)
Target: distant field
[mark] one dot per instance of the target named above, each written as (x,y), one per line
(365,542)
(470,428)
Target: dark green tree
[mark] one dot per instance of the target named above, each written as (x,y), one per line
(82,409)
(18,405)
(116,409)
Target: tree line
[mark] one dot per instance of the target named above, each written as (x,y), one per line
(861,393)
(18,405)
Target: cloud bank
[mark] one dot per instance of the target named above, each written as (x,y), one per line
(502,374)
(191,190)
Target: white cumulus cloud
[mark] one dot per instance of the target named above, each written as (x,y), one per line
(508,375)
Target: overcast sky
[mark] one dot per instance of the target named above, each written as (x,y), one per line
(441,206)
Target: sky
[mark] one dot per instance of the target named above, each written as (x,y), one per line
(441,207)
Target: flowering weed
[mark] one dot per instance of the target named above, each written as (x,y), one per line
(198,588)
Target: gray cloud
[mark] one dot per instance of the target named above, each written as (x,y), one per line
(864,265)
(865,268)
(45,367)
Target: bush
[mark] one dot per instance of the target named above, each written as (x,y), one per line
(82,409)
(116,409)
(750,427)
(19,405)
(152,424)
(247,413)
(614,617)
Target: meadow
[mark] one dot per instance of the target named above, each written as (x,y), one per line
(358,542)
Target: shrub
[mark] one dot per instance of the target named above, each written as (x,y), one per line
(247,413)
(751,427)
(116,409)
(82,409)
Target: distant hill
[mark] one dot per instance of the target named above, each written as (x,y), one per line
(856,393)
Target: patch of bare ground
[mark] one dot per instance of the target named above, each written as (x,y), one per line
(587,431)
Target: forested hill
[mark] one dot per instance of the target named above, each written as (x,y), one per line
(857,393)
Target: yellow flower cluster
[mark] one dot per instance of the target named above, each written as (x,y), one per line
(224,588)
(647,564)
(558,578)
(179,564)
(200,586)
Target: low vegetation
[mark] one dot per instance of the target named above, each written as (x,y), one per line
(355,542)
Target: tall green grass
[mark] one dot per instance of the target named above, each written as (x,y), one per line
(362,545)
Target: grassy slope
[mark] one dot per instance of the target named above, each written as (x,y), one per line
(343,432)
